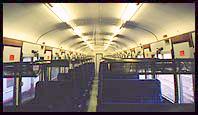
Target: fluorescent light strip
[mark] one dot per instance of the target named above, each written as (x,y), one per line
(127,15)
(117,31)
(57,9)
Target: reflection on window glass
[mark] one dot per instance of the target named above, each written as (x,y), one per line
(35,80)
(145,77)
(140,56)
(149,77)
(8,91)
(54,73)
(168,56)
(27,59)
(28,84)
(167,86)
(186,85)
(141,76)
(159,56)
(35,59)
(27,89)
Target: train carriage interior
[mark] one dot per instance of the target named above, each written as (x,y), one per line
(98,57)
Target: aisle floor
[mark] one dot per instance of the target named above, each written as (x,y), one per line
(93,99)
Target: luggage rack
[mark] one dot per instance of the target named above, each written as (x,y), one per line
(32,69)
(20,70)
(151,66)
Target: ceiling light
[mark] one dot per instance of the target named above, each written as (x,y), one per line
(77,31)
(84,39)
(129,11)
(117,31)
(57,9)
(106,46)
(127,15)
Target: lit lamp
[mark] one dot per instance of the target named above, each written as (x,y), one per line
(126,16)
(63,15)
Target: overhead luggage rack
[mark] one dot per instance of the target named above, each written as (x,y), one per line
(150,66)
(22,69)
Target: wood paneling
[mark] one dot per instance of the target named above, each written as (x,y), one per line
(48,48)
(181,38)
(132,50)
(146,46)
(12,42)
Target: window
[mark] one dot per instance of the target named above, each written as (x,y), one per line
(27,59)
(167,86)
(164,56)
(28,83)
(8,91)
(159,56)
(140,56)
(35,59)
(168,56)
(27,89)
(150,76)
(144,77)
(141,76)
(186,88)
(54,73)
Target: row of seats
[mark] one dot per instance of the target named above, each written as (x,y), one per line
(69,94)
(125,89)
(126,107)
(51,96)
(82,78)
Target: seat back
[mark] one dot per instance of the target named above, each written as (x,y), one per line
(113,75)
(53,91)
(64,76)
(131,91)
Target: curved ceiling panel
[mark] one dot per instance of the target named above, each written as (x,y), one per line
(27,21)
(98,28)
(95,21)
(68,40)
(35,22)
(54,38)
(94,10)
(167,18)
(139,35)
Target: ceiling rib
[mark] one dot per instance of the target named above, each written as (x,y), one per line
(132,25)
(59,26)
(68,39)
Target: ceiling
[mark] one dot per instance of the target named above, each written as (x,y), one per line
(34,22)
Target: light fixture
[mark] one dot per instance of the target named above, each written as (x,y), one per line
(130,11)
(77,31)
(57,9)
(127,15)
(117,31)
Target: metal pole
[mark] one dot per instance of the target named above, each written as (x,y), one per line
(176,83)
(16,90)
